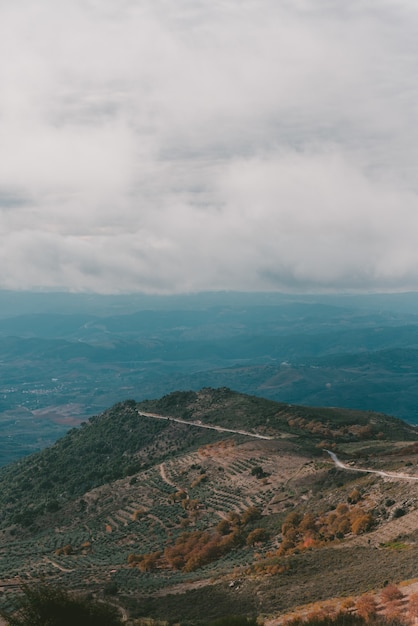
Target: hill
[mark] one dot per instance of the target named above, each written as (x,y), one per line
(213,500)
(69,356)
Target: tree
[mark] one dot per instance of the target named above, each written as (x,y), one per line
(361,523)
(394,612)
(354,497)
(258,472)
(223,527)
(366,607)
(308,522)
(250,515)
(44,605)
(391,593)
(413,605)
(257,535)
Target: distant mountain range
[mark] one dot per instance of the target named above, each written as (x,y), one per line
(65,357)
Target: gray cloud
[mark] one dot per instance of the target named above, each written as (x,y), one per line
(160,147)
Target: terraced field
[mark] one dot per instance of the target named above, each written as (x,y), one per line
(142,514)
(210,514)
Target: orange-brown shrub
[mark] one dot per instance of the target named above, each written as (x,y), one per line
(413,605)
(256,536)
(391,593)
(366,607)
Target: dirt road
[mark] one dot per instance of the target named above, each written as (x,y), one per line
(349,468)
(199,425)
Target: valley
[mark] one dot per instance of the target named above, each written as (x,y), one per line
(65,357)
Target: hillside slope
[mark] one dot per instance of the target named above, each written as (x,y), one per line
(145,508)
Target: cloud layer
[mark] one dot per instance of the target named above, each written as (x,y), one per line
(168,147)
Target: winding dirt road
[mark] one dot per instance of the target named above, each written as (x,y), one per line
(246,433)
(199,425)
(342,465)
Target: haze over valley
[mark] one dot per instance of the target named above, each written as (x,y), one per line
(72,356)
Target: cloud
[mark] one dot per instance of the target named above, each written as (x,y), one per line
(160,147)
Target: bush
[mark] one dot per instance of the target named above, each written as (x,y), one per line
(43,605)
(258,472)
(110,589)
(390,593)
(345,618)
(366,607)
(234,620)
(256,536)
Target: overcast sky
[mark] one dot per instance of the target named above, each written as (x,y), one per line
(160,146)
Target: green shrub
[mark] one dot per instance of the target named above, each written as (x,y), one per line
(234,620)
(43,605)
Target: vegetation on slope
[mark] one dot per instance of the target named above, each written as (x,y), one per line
(44,605)
(119,443)
(224,407)
(111,446)
(146,508)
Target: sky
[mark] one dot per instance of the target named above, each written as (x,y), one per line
(169,147)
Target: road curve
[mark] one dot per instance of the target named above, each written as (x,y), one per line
(342,465)
(207,426)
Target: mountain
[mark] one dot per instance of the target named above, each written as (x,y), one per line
(207,503)
(66,357)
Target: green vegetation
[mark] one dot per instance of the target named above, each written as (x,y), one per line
(109,447)
(194,549)
(137,509)
(235,620)
(43,605)
(313,426)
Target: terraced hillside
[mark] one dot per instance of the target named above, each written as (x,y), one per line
(143,508)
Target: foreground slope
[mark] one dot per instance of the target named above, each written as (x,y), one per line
(147,508)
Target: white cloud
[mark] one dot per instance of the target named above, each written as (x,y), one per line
(180,146)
